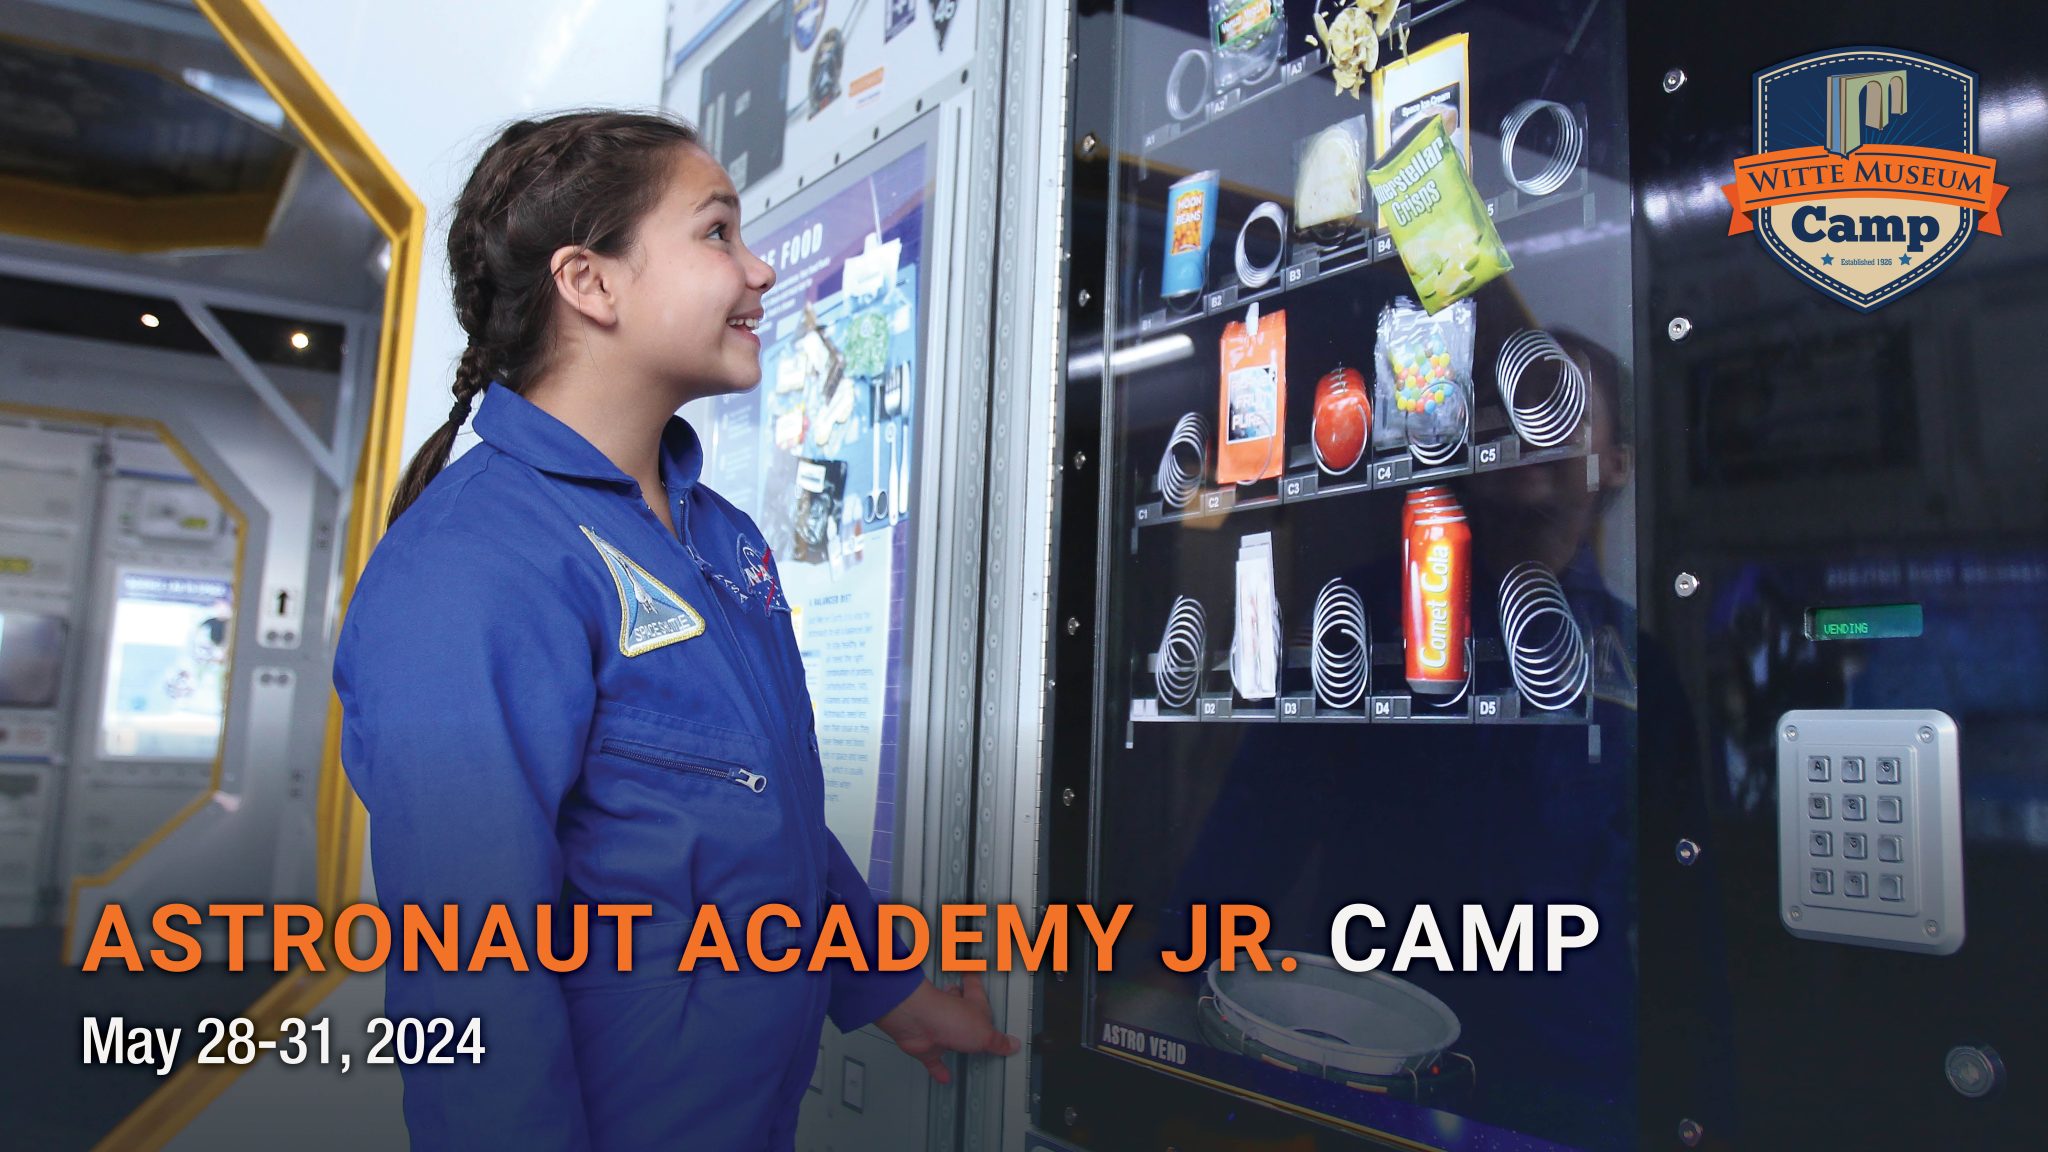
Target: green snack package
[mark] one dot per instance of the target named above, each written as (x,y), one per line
(1439,223)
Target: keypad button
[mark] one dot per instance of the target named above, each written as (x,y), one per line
(1890,809)
(1887,769)
(1855,884)
(1891,849)
(1817,767)
(1852,769)
(1852,807)
(1891,886)
(1855,845)
(1821,881)
(1821,844)
(1818,806)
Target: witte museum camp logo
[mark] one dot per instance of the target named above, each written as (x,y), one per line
(1866,179)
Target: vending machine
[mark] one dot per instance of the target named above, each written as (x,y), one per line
(1551,601)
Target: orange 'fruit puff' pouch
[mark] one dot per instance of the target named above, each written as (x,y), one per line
(1252,400)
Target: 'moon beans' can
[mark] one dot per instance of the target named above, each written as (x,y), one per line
(1436,614)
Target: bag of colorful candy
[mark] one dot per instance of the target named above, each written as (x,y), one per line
(1423,368)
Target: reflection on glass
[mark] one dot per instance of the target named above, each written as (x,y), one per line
(1444,546)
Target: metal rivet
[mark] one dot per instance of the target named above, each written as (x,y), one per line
(1674,80)
(1084,298)
(1688,852)
(1791,732)
(1089,143)
(1934,927)
(1073,626)
(1973,1071)
(1690,1133)
(1796,914)
(1070,1116)
(1067,797)
(1080,461)
(1926,735)
(1679,328)
(1686,584)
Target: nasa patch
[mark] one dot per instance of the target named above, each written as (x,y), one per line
(1865,180)
(650,615)
(757,567)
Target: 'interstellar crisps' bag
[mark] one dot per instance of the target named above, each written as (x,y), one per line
(1437,219)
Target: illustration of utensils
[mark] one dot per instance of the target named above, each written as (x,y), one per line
(879,484)
(895,478)
(892,393)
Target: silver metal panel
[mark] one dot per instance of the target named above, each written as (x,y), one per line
(1870,823)
(903,1108)
(1023,478)
(257,835)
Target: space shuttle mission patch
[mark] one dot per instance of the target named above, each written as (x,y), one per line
(650,615)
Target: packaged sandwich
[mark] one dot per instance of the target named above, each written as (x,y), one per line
(1331,206)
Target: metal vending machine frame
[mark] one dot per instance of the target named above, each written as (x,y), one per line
(1800,542)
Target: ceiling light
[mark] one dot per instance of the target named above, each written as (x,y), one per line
(300,340)
(149,320)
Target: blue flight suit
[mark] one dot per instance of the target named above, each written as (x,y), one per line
(547,698)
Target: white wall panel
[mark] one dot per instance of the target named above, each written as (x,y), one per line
(432,80)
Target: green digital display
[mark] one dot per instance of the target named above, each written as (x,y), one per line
(1869,622)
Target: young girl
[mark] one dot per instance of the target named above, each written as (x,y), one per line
(568,679)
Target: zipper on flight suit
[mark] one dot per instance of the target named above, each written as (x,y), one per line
(801,805)
(699,765)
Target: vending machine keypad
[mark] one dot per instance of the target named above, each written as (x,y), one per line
(1846,777)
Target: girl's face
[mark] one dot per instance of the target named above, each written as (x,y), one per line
(694,290)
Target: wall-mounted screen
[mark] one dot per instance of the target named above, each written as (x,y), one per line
(167,667)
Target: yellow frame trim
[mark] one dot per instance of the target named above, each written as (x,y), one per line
(355,160)
(136,224)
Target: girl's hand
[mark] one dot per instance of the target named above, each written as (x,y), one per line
(933,1022)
